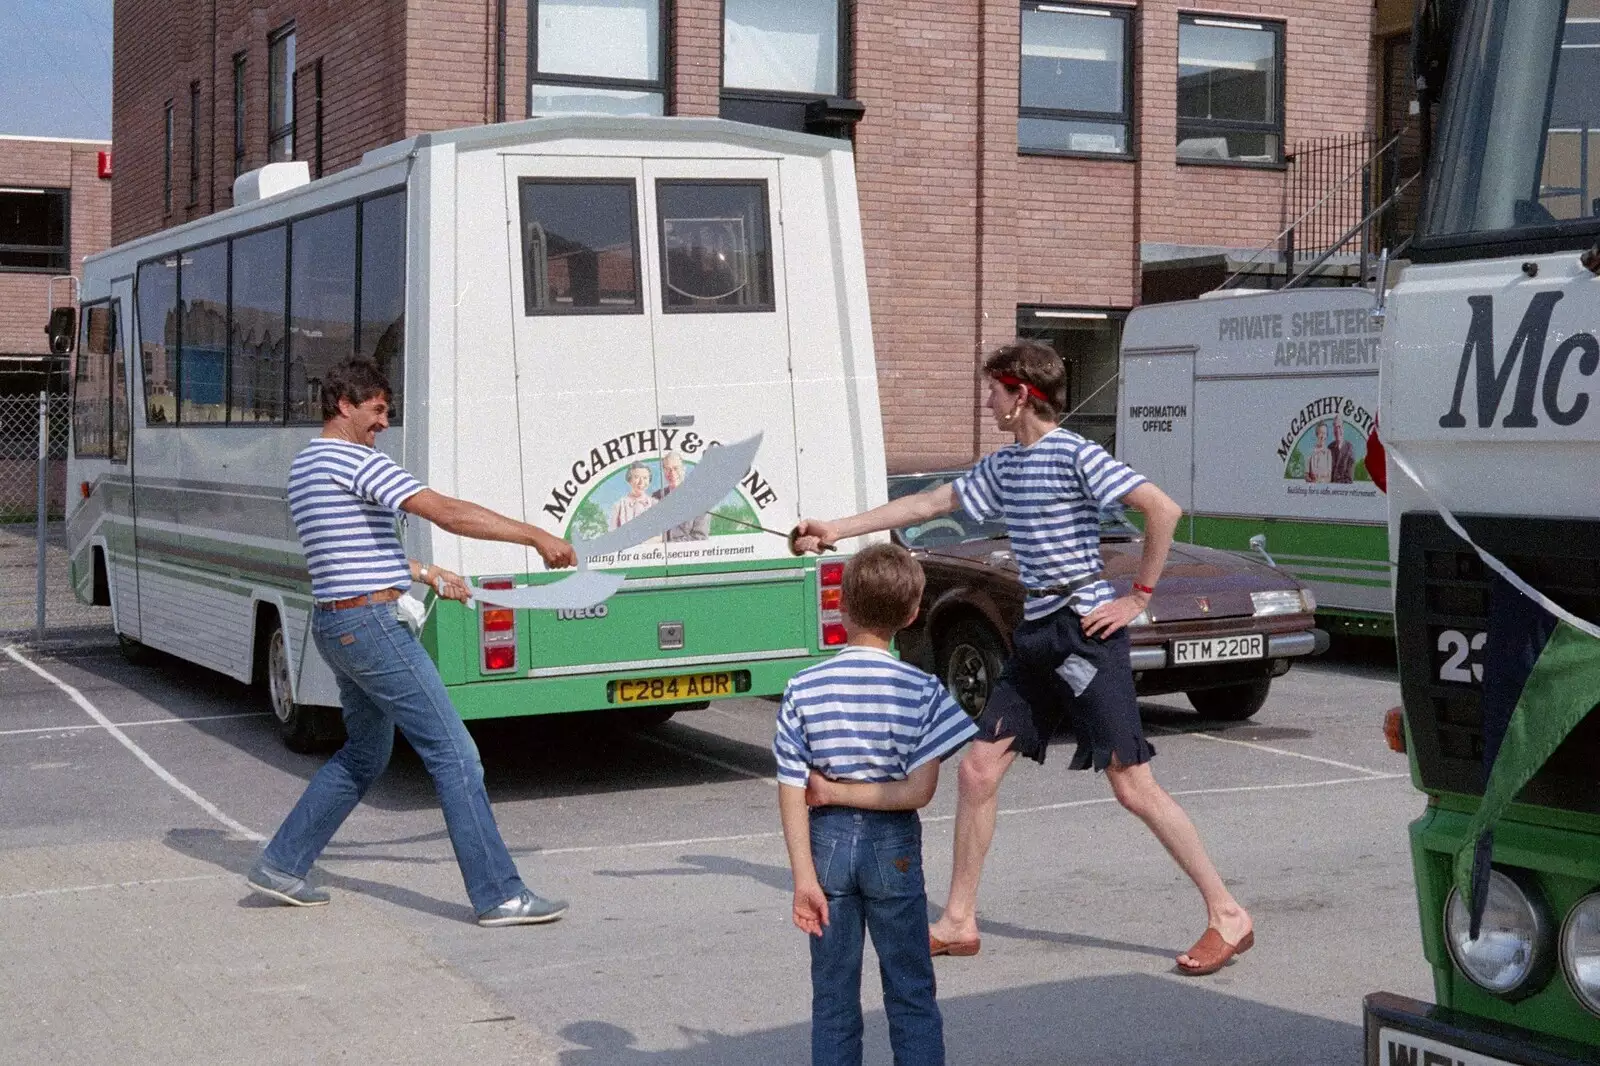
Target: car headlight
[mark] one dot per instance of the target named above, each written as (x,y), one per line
(1283,601)
(1580,951)
(1513,944)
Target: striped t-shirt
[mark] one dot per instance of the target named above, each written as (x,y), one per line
(865,716)
(343,498)
(1051,494)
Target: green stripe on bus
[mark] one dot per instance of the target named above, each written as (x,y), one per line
(1327,540)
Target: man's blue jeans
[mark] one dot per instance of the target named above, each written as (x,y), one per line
(870,866)
(386,680)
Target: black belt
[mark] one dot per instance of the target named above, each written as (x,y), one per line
(1067,589)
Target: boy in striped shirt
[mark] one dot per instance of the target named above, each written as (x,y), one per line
(866,733)
(1069,656)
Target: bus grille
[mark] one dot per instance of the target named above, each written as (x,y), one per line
(1441,616)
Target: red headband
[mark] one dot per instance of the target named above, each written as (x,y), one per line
(1017,383)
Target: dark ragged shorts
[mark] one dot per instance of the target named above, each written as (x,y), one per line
(1057,674)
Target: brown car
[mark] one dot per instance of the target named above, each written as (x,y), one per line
(1219,628)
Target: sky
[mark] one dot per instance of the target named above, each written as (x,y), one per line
(55,68)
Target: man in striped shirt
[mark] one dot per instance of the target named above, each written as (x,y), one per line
(1070,653)
(345,497)
(867,732)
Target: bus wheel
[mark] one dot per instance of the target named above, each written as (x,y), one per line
(134,653)
(1231,703)
(303,729)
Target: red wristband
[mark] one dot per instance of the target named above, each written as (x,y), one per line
(1146,589)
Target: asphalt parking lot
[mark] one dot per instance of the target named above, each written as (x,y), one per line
(134,803)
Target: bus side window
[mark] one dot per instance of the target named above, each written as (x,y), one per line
(715,251)
(381,323)
(157,296)
(119,388)
(580,247)
(91,384)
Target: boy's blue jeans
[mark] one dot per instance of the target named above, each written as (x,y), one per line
(385,680)
(870,866)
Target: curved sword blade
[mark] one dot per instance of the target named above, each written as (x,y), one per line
(707,485)
(586,588)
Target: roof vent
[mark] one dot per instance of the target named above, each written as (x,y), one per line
(270,180)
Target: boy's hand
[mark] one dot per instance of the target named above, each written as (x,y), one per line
(813,536)
(810,908)
(817,790)
(1107,618)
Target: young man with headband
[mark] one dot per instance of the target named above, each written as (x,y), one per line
(1070,653)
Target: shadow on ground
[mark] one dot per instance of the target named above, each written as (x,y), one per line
(1123,1020)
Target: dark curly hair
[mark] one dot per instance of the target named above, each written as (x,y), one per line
(355,379)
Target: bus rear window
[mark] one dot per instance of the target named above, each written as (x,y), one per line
(716,255)
(580,247)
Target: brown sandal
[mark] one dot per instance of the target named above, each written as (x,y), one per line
(1211,953)
(957,948)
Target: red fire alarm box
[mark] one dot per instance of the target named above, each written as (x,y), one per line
(105,164)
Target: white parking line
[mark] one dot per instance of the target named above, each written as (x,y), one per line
(115,884)
(1374,774)
(691,753)
(156,768)
(129,725)
(640,845)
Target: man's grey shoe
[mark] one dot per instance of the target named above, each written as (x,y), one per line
(525,909)
(283,887)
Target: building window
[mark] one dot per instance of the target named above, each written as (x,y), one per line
(567,73)
(316,89)
(1230,91)
(280,95)
(34,230)
(194,143)
(777,58)
(166,161)
(1088,341)
(1076,80)
(238,114)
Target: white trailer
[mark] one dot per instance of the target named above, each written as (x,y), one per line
(1255,411)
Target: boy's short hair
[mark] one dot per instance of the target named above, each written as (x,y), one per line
(1036,364)
(355,379)
(882,586)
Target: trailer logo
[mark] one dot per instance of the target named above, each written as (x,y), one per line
(1491,381)
(1327,444)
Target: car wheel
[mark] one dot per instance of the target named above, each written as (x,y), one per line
(970,658)
(303,729)
(1231,703)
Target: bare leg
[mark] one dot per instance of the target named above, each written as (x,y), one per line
(982,768)
(1137,790)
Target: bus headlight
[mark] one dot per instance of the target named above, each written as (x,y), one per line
(1513,946)
(1580,951)
(1282,601)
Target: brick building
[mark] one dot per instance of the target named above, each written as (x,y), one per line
(55,209)
(1024,166)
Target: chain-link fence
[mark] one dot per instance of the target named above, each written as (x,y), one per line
(19,457)
(19,528)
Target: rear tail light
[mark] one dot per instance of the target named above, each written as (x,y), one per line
(497,632)
(1394,729)
(830,603)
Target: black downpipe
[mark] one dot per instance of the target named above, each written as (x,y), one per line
(500,59)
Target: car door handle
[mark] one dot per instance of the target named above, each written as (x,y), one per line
(677,420)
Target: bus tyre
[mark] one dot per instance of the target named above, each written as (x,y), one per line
(134,653)
(1231,703)
(969,661)
(304,729)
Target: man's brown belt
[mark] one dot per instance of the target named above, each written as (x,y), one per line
(365,599)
